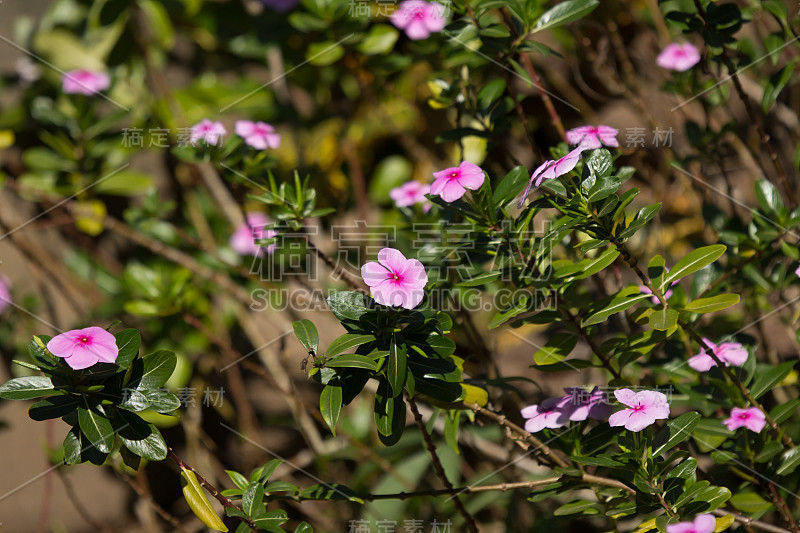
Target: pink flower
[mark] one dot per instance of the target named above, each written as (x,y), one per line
(584,404)
(678,57)
(210,132)
(644,408)
(394,280)
(751,418)
(84,82)
(730,353)
(591,137)
(5,293)
(244,239)
(410,193)
(549,414)
(797,272)
(419,19)
(259,135)
(552,169)
(451,183)
(703,523)
(82,348)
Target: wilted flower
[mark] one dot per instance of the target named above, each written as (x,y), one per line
(751,418)
(591,137)
(244,239)
(207,130)
(703,523)
(551,170)
(410,193)
(730,353)
(419,19)
(678,57)
(451,183)
(644,408)
(394,280)
(84,82)
(82,348)
(259,135)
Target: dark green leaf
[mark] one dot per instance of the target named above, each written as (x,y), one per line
(26,388)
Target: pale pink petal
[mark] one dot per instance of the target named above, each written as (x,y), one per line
(392,259)
(81,358)
(256,141)
(659,412)
(626,396)
(63,345)
(452,191)
(534,425)
(472,176)
(651,398)
(567,163)
(608,135)
(620,418)
(435,21)
(102,344)
(705,523)
(452,173)
(414,274)
(244,128)
(701,362)
(417,30)
(373,273)
(733,353)
(576,135)
(438,186)
(681,527)
(529,411)
(273,140)
(639,420)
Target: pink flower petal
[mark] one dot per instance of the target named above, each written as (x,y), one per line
(102,344)
(63,345)
(620,418)
(472,176)
(81,358)
(705,523)
(451,191)
(626,396)
(701,362)
(244,128)
(373,273)
(392,259)
(639,420)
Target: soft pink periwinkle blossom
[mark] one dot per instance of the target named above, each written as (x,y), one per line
(418,18)
(552,169)
(394,280)
(82,348)
(5,293)
(643,409)
(576,406)
(730,353)
(410,193)
(591,137)
(678,56)
(207,130)
(452,183)
(751,418)
(703,523)
(86,82)
(258,135)
(245,239)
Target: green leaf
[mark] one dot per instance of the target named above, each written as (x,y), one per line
(72,447)
(390,413)
(750,503)
(692,262)
(663,319)
(768,197)
(198,503)
(96,426)
(396,367)
(713,303)
(509,312)
(675,432)
(767,379)
(53,407)
(128,342)
(26,388)
(330,404)
(139,437)
(348,305)
(578,506)
(601,190)
(307,334)
(238,479)
(557,348)
(347,341)
(597,461)
(252,498)
(599,263)
(600,163)
(331,492)
(617,305)
(512,184)
(352,361)
(776,84)
(784,411)
(271,520)
(159,400)
(789,462)
(480,279)
(565,12)
(379,40)
(157,367)
(324,53)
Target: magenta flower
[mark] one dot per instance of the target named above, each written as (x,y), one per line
(84,82)
(451,183)
(751,418)
(5,293)
(703,523)
(591,137)
(259,135)
(644,408)
(419,19)
(410,193)
(245,239)
(549,414)
(82,348)
(207,130)
(730,353)
(394,280)
(552,169)
(678,57)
